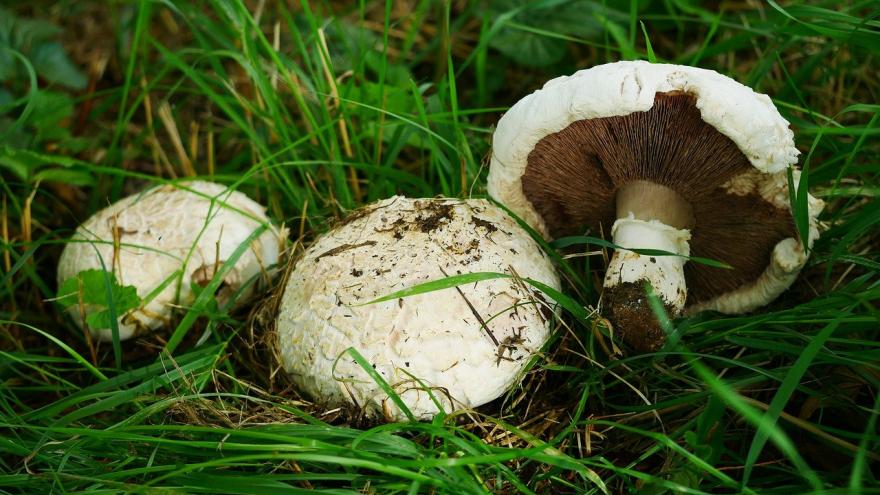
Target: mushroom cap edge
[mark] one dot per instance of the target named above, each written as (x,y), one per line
(748,118)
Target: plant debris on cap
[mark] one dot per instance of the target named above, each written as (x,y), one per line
(191,228)
(665,157)
(466,345)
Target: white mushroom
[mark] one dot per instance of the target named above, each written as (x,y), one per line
(665,157)
(466,344)
(144,239)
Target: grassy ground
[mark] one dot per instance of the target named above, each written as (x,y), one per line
(316,108)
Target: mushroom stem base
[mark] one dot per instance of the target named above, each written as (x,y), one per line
(626,302)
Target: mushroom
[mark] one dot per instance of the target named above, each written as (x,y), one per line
(461,346)
(144,239)
(662,157)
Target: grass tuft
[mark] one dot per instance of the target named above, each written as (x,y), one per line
(316,108)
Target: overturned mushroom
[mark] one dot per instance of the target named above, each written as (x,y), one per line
(462,345)
(189,229)
(665,157)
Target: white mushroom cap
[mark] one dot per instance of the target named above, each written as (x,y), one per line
(436,336)
(193,227)
(749,120)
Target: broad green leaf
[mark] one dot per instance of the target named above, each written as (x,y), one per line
(27,32)
(46,120)
(35,39)
(51,109)
(528,48)
(89,286)
(532,48)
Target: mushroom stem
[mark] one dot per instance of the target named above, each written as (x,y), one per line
(647,200)
(625,297)
(649,216)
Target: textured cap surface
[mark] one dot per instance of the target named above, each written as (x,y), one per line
(435,337)
(193,227)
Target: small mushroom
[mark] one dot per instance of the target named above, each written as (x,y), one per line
(464,345)
(661,157)
(144,239)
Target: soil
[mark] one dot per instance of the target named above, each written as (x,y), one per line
(629,311)
(433,215)
(489,226)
